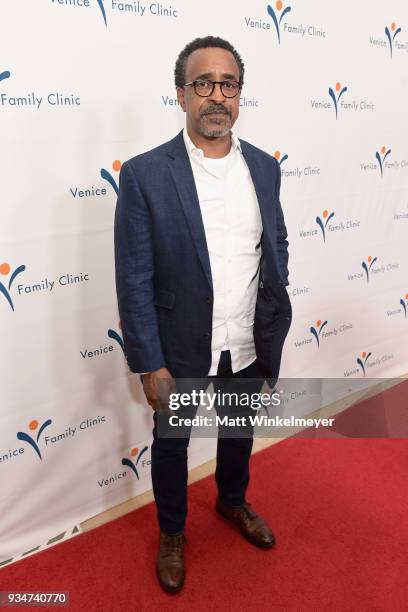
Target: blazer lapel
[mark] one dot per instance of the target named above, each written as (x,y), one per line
(182,174)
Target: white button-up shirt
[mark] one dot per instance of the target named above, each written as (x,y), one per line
(233,230)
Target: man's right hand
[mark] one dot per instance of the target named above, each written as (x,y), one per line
(157,386)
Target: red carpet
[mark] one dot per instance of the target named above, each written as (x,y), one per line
(339,508)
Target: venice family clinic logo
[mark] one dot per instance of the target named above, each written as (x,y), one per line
(381,157)
(367,265)
(133,465)
(280,158)
(391,33)
(362,361)
(34,443)
(404,304)
(278,15)
(5,270)
(107,176)
(4,75)
(322,222)
(316,331)
(336,97)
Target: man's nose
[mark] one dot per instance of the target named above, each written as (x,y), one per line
(217,95)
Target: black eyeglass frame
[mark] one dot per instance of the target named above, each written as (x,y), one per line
(214,83)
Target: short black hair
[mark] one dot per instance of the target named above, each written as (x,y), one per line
(204,43)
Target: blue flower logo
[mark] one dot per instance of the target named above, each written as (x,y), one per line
(336,98)
(133,465)
(5,270)
(33,426)
(322,222)
(391,33)
(381,157)
(107,176)
(278,15)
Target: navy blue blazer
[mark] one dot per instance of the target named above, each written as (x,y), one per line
(163,274)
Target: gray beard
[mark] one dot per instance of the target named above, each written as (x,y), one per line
(215,132)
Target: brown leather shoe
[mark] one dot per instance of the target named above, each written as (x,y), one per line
(251,525)
(170,562)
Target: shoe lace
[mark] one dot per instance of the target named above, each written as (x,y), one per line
(246,513)
(174,544)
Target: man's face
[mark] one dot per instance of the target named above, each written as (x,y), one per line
(215,115)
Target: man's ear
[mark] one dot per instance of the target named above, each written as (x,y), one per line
(181,98)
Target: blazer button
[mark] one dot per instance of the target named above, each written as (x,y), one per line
(207,335)
(209,299)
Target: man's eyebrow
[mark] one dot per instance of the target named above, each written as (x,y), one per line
(205,75)
(208,75)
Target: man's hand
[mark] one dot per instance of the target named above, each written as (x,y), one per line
(157,386)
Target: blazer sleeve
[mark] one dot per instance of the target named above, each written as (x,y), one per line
(134,272)
(282,234)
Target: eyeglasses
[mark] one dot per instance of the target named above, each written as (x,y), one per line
(205,88)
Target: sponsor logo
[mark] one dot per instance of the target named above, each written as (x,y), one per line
(336,96)
(382,163)
(129,7)
(48,440)
(320,331)
(5,289)
(46,284)
(326,226)
(322,222)
(34,441)
(381,157)
(316,331)
(107,176)
(277,24)
(98,191)
(295,172)
(277,15)
(338,103)
(138,462)
(32,99)
(369,270)
(403,310)
(391,33)
(364,363)
(367,265)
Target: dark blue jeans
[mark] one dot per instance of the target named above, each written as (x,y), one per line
(169,458)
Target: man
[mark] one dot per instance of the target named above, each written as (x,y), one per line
(201,268)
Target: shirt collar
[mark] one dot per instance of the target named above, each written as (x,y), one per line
(193,150)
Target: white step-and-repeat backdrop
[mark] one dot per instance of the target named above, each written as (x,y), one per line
(86,84)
